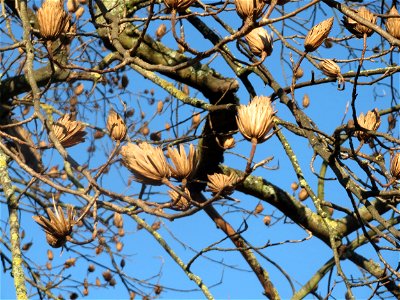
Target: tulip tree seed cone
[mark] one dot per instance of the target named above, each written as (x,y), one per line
(52,19)
(316,36)
(260,42)
(330,68)
(357,28)
(395,166)
(393,24)
(116,126)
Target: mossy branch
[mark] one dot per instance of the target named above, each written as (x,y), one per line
(12,203)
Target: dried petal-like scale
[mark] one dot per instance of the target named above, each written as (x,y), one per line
(52,19)
(330,68)
(58,227)
(116,126)
(180,202)
(370,121)
(249,8)
(69,133)
(356,28)
(255,120)
(393,24)
(183,165)
(395,166)
(260,42)
(178,5)
(222,183)
(147,163)
(316,36)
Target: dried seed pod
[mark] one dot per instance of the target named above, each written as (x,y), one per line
(122,263)
(79,12)
(161,31)
(145,130)
(316,36)
(221,183)
(160,106)
(299,73)
(70,262)
(156,225)
(259,209)
(267,220)
(255,120)
(391,121)
(50,254)
(249,8)
(58,227)
(306,101)
(68,132)
(294,186)
(393,24)
(26,246)
(116,126)
(79,89)
(183,166)
(303,194)
(119,246)
(167,126)
(356,28)
(226,142)
(179,201)
(185,89)
(260,42)
(158,289)
(91,268)
(52,19)
(107,275)
(85,292)
(395,166)
(195,120)
(155,136)
(330,68)
(118,220)
(147,163)
(48,265)
(121,231)
(371,121)
(178,5)
(98,282)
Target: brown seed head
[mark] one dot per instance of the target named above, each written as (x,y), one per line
(58,227)
(356,28)
(226,142)
(303,194)
(255,120)
(370,121)
(222,183)
(69,133)
(247,8)
(52,19)
(306,101)
(393,24)
(180,202)
(316,36)
(116,126)
(178,5)
(182,165)
(267,220)
(147,163)
(395,166)
(160,32)
(118,220)
(330,68)
(260,42)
